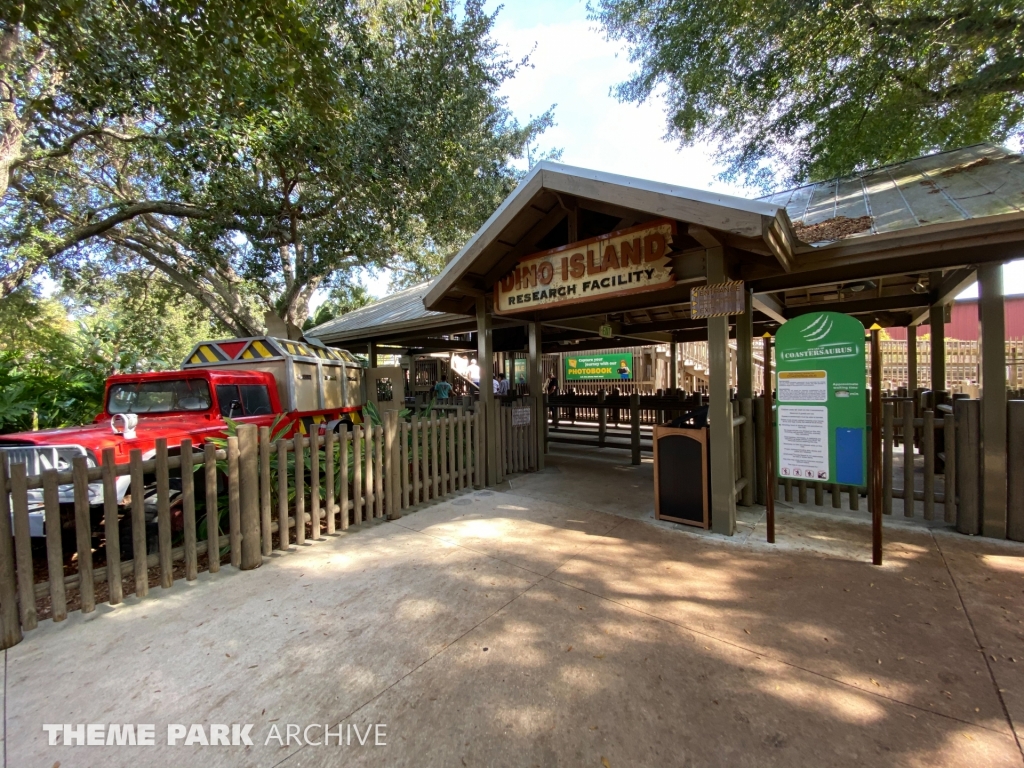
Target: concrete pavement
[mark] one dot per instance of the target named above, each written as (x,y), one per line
(553,623)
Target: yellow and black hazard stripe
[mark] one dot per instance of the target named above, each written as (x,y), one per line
(207,353)
(258,350)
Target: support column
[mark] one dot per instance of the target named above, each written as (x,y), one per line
(371,349)
(723,497)
(673,373)
(993,400)
(535,380)
(912,360)
(937,326)
(745,349)
(485,359)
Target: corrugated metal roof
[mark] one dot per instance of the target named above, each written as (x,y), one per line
(966,183)
(395,311)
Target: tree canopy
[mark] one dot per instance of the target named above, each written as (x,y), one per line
(797,91)
(249,151)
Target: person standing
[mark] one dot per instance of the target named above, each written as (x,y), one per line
(502,385)
(443,390)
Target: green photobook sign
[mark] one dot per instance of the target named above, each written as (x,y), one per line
(617,366)
(820,384)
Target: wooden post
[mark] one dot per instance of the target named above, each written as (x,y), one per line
(876,448)
(634,427)
(265,522)
(83,530)
(343,439)
(888,411)
(416,461)
(163,515)
(937,329)
(912,360)
(968,471)
(485,360)
(299,441)
(188,514)
(993,400)
(357,474)
(908,458)
(405,433)
(747,450)
(250,549)
(535,381)
(111,525)
(212,510)
(330,509)
(314,483)
(54,547)
(378,471)
(479,472)
(23,547)
(723,495)
(949,473)
(10,625)
(283,533)
(1015,470)
(928,449)
(234,501)
(369,449)
(770,483)
(745,348)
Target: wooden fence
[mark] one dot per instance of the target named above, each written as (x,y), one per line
(232,503)
(937,474)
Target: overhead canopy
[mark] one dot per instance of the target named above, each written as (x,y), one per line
(883,245)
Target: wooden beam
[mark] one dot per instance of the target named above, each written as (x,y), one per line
(952,285)
(526,245)
(862,306)
(766,304)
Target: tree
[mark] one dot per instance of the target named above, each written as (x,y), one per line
(341,301)
(796,91)
(385,146)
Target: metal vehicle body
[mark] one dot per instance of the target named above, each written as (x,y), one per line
(249,381)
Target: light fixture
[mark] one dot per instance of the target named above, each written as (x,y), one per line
(860,285)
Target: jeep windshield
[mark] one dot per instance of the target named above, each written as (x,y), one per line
(159,396)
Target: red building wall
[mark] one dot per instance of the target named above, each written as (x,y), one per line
(963,323)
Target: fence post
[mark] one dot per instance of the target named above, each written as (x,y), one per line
(83,533)
(888,438)
(394,507)
(634,427)
(212,507)
(188,513)
(265,450)
(602,418)
(9,623)
(908,458)
(234,524)
(747,449)
(949,468)
(1015,470)
(251,555)
(163,515)
(968,480)
(111,525)
(314,482)
(928,449)
(23,548)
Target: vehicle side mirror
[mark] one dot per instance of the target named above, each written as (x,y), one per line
(231,408)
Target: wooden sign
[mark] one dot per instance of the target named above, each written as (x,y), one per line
(630,261)
(717,300)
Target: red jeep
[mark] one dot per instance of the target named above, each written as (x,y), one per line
(252,381)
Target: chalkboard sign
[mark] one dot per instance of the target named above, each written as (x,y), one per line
(682,476)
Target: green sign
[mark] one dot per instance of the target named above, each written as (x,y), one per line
(617,366)
(520,370)
(822,409)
